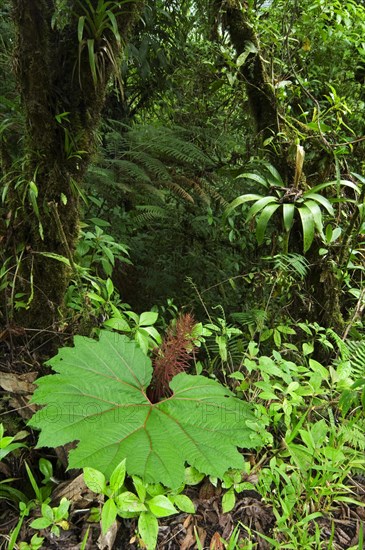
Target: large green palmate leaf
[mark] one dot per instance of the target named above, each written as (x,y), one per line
(99,398)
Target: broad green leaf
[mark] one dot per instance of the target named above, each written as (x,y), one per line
(114,23)
(285,330)
(239,201)
(46,468)
(276,178)
(308,348)
(142,337)
(288,215)
(117,477)
(61,511)
(253,177)
(277,338)
(108,253)
(140,487)
(322,200)
(264,219)
(133,316)
(307,226)
(96,297)
(95,480)
(258,206)
(80,28)
(161,506)
(318,368)
(108,515)
(336,234)
(184,504)
(98,397)
(148,529)
(360,178)
(193,476)
(334,183)
(154,489)
(148,318)
(117,323)
(109,287)
(249,49)
(228,501)
(41,523)
(153,333)
(47,512)
(129,502)
(329,232)
(317,215)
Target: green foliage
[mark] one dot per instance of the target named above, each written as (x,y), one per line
(176,145)
(148,502)
(234,482)
(107,382)
(148,158)
(98,249)
(350,373)
(8,444)
(93,30)
(308,204)
(35,543)
(139,327)
(53,517)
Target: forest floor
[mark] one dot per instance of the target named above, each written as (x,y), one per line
(340,527)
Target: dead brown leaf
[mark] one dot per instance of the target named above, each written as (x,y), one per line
(189,540)
(18,383)
(216,543)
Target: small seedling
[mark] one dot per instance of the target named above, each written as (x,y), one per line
(148,502)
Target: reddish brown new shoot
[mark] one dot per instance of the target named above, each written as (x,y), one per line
(172,357)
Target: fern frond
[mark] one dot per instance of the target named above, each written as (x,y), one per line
(252,318)
(176,188)
(343,347)
(292,262)
(152,165)
(151,155)
(148,213)
(212,192)
(352,433)
(357,358)
(130,170)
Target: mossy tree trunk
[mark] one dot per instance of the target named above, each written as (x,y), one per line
(62,101)
(235,18)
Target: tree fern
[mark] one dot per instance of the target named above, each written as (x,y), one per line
(144,157)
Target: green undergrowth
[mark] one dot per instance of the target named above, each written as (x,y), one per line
(280,424)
